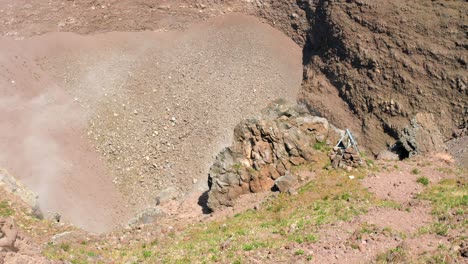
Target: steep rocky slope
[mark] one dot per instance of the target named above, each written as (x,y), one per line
(372,66)
(368,65)
(139,114)
(391,60)
(381,62)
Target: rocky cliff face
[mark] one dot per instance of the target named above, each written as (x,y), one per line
(374,65)
(265,149)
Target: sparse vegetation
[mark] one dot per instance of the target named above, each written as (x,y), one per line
(370,162)
(321,146)
(146,254)
(156,115)
(253,245)
(237,166)
(449,198)
(299,252)
(5,209)
(394,255)
(423,180)
(65,247)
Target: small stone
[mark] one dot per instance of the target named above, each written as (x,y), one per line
(361,247)
(351,177)
(194,181)
(286,182)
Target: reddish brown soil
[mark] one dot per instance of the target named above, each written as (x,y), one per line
(104,126)
(399,182)
(55,122)
(45,145)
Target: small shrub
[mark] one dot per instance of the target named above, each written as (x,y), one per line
(319,145)
(299,252)
(310,238)
(415,171)
(147,254)
(248,247)
(423,180)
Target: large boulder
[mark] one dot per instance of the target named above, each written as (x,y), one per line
(286,183)
(265,149)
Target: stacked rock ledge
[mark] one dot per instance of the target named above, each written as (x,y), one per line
(264,150)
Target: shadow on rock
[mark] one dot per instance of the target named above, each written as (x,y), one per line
(203,203)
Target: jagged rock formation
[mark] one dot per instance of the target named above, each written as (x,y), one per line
(421,136)
(265,149)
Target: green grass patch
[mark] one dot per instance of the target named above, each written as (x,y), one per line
(423,180)
(447,195)
(415,171)
(253,245)
(147,254)
(449,199)
(299,252)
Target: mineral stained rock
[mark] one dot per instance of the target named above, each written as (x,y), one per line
(265,149)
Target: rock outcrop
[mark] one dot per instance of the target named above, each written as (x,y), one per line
(286,183)
(365,65)
(421,136)
(12,185)
(265,149)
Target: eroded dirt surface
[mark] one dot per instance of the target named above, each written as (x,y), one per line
(138,114)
